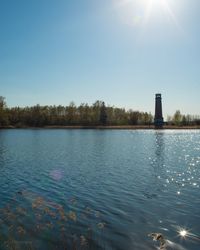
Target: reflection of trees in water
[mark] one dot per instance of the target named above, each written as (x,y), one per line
(2,150)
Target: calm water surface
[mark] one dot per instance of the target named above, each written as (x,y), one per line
(98,189)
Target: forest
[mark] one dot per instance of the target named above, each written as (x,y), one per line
(97,114)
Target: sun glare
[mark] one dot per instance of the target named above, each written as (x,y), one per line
(161,5)
(155,2)
(183,233)
(141,11)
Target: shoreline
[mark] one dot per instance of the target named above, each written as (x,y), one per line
(125,127)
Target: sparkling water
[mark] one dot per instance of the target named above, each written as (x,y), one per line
(99,189)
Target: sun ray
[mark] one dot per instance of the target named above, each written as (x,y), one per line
(147,8)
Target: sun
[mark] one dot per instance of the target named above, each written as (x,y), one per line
(161,5)
(183,233)
(146,3)
(141,11)
(155,2)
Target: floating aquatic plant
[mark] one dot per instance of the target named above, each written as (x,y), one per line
(165,243)
(21,211)
(83,240)
(101,225)
(33,216)
(21,231)
(73,200)
(49,224)
(72,216)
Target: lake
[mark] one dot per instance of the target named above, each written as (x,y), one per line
(99,189)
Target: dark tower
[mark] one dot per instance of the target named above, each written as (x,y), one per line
(158,119)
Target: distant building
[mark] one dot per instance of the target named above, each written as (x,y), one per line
(158,119)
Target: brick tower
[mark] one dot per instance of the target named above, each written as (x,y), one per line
(158,119)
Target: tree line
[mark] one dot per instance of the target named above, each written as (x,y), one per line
(83,115)
(179,119)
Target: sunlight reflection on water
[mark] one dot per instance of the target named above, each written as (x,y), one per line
(98,189)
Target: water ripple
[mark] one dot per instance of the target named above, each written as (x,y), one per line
(90,189)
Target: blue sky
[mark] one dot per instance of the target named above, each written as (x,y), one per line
(119,51)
